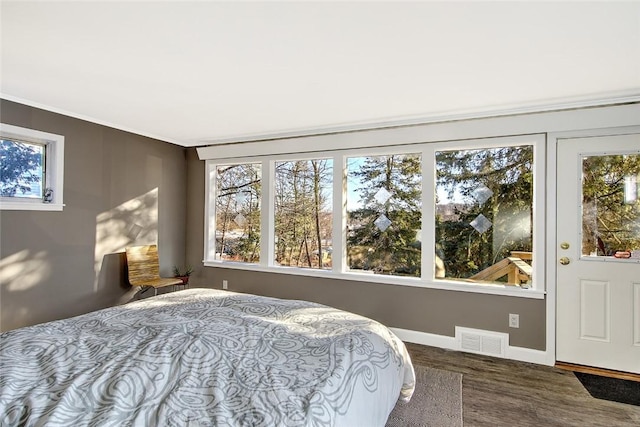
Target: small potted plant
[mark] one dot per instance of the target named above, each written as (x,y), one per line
(183,274)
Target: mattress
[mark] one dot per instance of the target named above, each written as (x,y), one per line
(204,357)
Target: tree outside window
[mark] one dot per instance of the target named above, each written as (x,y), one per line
(384,214)
(303,213)
(610,204)
(238,212)
(479,213)
(21,169)
(484,214)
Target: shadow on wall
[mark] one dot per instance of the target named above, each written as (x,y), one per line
(134,222)
(112,272)
(38,286)
(21,272)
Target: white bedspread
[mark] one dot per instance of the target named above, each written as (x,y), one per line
(203,357)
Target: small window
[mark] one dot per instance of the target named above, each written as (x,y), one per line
(384,201)
(610,205)
(22,172)
(238,192)
(31,169)
(304,213)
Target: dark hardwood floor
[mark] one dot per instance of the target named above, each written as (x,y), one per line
(499,392)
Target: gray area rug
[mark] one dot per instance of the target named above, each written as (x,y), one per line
(436,402)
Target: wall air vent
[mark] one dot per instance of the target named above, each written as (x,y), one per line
(482,342)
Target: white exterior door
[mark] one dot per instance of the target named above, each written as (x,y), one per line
(598,252)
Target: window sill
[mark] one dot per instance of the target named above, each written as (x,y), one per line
(30,206)
(511,291)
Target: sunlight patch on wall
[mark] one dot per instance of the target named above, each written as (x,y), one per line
(134,222)
(22,270)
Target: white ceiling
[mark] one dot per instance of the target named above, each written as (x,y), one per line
(197,73)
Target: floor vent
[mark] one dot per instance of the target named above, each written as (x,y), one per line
(482,342)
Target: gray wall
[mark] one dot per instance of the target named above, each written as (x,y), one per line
(418,309)
(120,189)
(59,264)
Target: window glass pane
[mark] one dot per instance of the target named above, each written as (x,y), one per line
(238,212)
(610,205)
(384,197)
(303,213)
(21,169)
(484,222)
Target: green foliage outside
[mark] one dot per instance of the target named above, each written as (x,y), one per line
(238,212)
(303,218)
(508,173)
(20,167)
(611,207)
(396,250)
(494,182)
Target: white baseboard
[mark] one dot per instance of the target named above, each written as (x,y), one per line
(425,338)
(451,343)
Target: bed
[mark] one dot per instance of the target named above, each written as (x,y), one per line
(204,357)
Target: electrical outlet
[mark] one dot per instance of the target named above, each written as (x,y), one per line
(514,320)
(225,284)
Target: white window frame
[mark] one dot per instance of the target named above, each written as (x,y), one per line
(339,270)
(376,152)
(538,206)
(270,215)
(54,168)
(210,206)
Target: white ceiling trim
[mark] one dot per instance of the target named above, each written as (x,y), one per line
(528,108)
(617,98)
(595,117)
(90,119)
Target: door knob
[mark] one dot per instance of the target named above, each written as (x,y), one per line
(564,260)
(564,245)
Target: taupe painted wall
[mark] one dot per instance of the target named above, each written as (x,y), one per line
(71,262)
(418,309)
(120,189)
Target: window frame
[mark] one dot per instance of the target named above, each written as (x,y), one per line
(538,207)
(272,191)
(339,268)
(214,177)
(54,168)
(409,150)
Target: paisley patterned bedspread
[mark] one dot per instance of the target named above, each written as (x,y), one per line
(204,357)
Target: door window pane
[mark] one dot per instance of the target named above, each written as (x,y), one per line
(238,212)
(484,222)
(21,169)
(384,197)
(610,205)
(304,213)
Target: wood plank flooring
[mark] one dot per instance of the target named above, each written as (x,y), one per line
(499,392)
